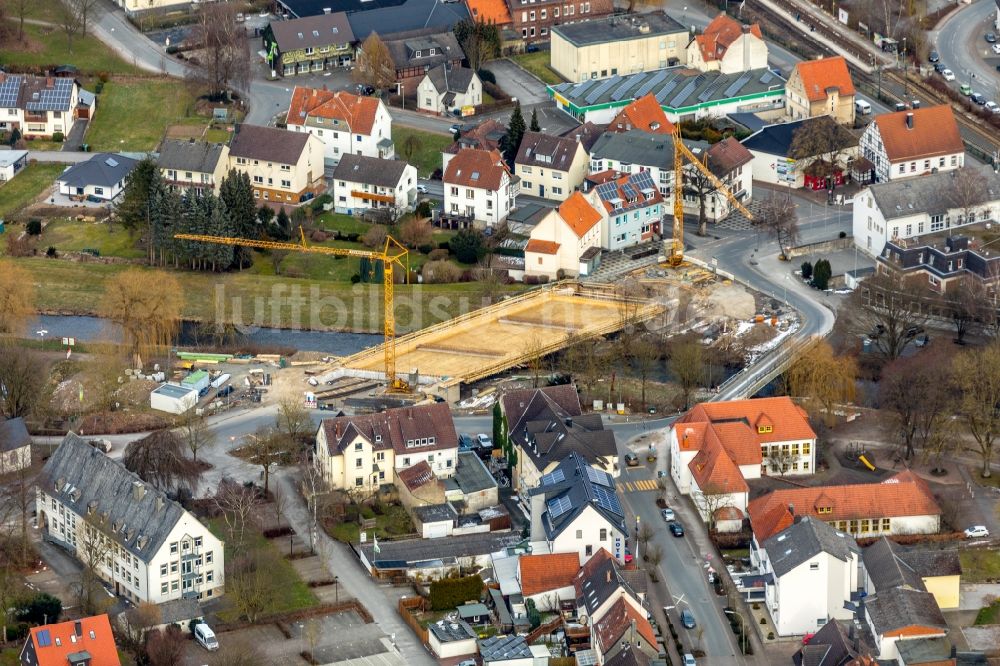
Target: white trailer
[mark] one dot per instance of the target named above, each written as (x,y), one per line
(173,398)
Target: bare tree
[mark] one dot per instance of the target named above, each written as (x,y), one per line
(890,310)
(249,586)
(825,141)
(159,459)
(165,647)
(20,11)
(415,232)
(69,21)
(534,357)
(23,378)
(225,57)
(822,380)
(645,354)
(17,297)
(146,305)
(237,503)
(968,305)
(17,501)
(778,218)
(654,555)
(977,375)
(411,146)
(266,449)
(293,420)
(701,187)
(966,189)
(375,66)
(779,459)
(194,432)
(240,655)
(84,9)
(138,621)
(687,365)
(94,546)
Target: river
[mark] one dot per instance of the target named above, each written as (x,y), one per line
(84,328)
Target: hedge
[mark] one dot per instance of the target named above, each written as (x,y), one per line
(451,592)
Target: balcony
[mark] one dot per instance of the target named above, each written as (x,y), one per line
(371,196)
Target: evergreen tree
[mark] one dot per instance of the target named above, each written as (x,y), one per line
(219,224)
(535,127)
(166,211)
(133,212)
(237,193)
(265,215)
(515,132)
(283,225)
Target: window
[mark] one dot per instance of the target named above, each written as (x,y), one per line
(604,534)
(209,576)
(163,569)
(357,463)
(589,550)
(259,180)
(814,566)
(358,481)
(805,448)
(208,557)
(98,190)
(357,445)
(532,16)
(795,449)
(762,429)
(173,586)
(173,548)
(545,14)
(164,587)
(286,184)
(380,456)
(173,567)
(886,524)
(579,534)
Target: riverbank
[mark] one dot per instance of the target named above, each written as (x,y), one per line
(265,301)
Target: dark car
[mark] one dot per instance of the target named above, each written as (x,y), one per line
(676,529)
(939,67)
(934,57)
(978,99)
(465,442)
(991,37)
(687,619)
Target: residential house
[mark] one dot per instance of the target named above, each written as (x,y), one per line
(309,44)
(575,509)
(727,46)
(730,162)
(512,650)
(587,134)
(416,52)
(901,614)
(479,189)
(138,8)
(15,446)
(634,205)
(38,106)
(812,574)
(193,166)
(450,90)
(936,651)
(821,87)
(363,451)
(636,150)
(838,643)
(934,570)
(941,267)
(682,92)
(101,178)
(913,143)
(901,504)
(600,584)
(623,627)
(620,44)
(550,167)
(451,639)
(11,163)
(643,114)
(418,485)
(567,240)
(362,183)
(717,446)
(485,135)
(343,123)
(472,487)
(545,425)
(547,579)
(534,20)
(405,16)
(284,167)
(490,11)
(430,559)
(778,161)
(84,642)
(151,549)
(902,211)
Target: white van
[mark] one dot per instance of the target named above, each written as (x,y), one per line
(862,107)
(204,635)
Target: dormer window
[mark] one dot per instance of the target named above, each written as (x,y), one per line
(378,438)
(431,52)
(419,54)
(764,429)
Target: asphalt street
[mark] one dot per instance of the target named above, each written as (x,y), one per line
(959,41)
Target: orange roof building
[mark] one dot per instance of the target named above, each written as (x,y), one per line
(344,122)
(478,187)
(727,46)
(85,641)
(550,572)
(489,11)
(821,87)
(717,446)
(913,143)
(901,504)
(644,114)
(566,239)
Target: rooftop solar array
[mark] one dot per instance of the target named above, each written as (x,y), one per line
(597,476)
(34,94)
(8,92)
(630,81)
(606,85)
(56,98)
(559,506)
(607,499)
(553,477)
(737,85)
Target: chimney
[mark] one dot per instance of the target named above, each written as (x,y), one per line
(3,76)
(159,502)
(909,121)
(78,628)
(746,48)
(578,137)
(337,429)
(609,574)
(138,491)
(50,82)
(327,10)
(791,509)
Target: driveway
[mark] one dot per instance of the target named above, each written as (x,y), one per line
(518,83)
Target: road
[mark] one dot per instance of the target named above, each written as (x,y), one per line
(959,41)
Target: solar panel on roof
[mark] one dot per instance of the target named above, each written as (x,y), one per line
(656,79)
(559,506)
(580,88)
(685,92)
(607,191)
(666,90)
(736,85)
(44,638)
(556,476)
(631,81)
(766,77)
(111,162)
(597,476)
(607,500)
(642,180)
(605,86)
(628,190)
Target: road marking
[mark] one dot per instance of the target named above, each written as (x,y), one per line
(641,485)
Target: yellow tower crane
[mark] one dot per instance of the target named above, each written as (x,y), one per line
(682,152)
(392,254)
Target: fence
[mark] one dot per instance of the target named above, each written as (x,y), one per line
(544,630)
(406,607)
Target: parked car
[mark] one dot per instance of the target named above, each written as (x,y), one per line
(204,635)
(991,37)
(676,529)
(687,619)
(977,532)
(631,460)
(689,659)
(465,442)
(978,99)
(996,49)
(993,106)
(948,74)
(939,67)
(225,390)
(422,189)
(101,445)
(455,128)
(965,89)
(483,441)
(933,57)
(668,514)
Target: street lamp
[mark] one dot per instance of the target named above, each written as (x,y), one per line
(336,589)
(743,625)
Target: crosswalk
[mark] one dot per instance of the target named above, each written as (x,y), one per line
(637,486)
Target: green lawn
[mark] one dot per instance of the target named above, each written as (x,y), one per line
(46,46)
(27,185)
(133,116)
(274,301)
(214,135)
(42,144)
(345,224)
(428,157)
(989,615)
(41,10)
(69,235)
(289,593)
(538,64)
(394,522)
(980,565)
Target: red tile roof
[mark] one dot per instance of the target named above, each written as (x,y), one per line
(53,643)
(821,75)
(934,133)
(787,420)
(715,472)
(645,114)
(416,476)
(578,214)
(393,428)
(645,199)
(904,494)
(489,11)
(720,34)
(544,573)
(472,167)
(618,620)
(541,246)
(357,111)
(727,155)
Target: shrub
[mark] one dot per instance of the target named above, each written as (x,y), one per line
(807,270)
(51,252)
(441,272)
(317,203)
(450,592)
(99,86)
(437,254)
(843,234)
(756,606)
(194,623)
(425,249)
(486,76)
(770,635)
(58,137)
(41,608)
(423,209)
(822,273)
(444,245)
(468,245)
(34,227)
(763,620)
(355,278)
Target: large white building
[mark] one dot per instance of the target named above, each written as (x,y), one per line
(362,452)
(563,241)
(913,143)
(361,183)
(150,549)
(727,46)
(478,188)
(904,210)
(343,122)
(813,576)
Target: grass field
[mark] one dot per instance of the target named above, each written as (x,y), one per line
(978,566)
(538,64)
(133,116)
(432,145)
(46,46)
(989,615)
(394,522)
(26,186)
(69,235)
(265,299)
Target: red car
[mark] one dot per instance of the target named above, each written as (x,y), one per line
(807,638)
